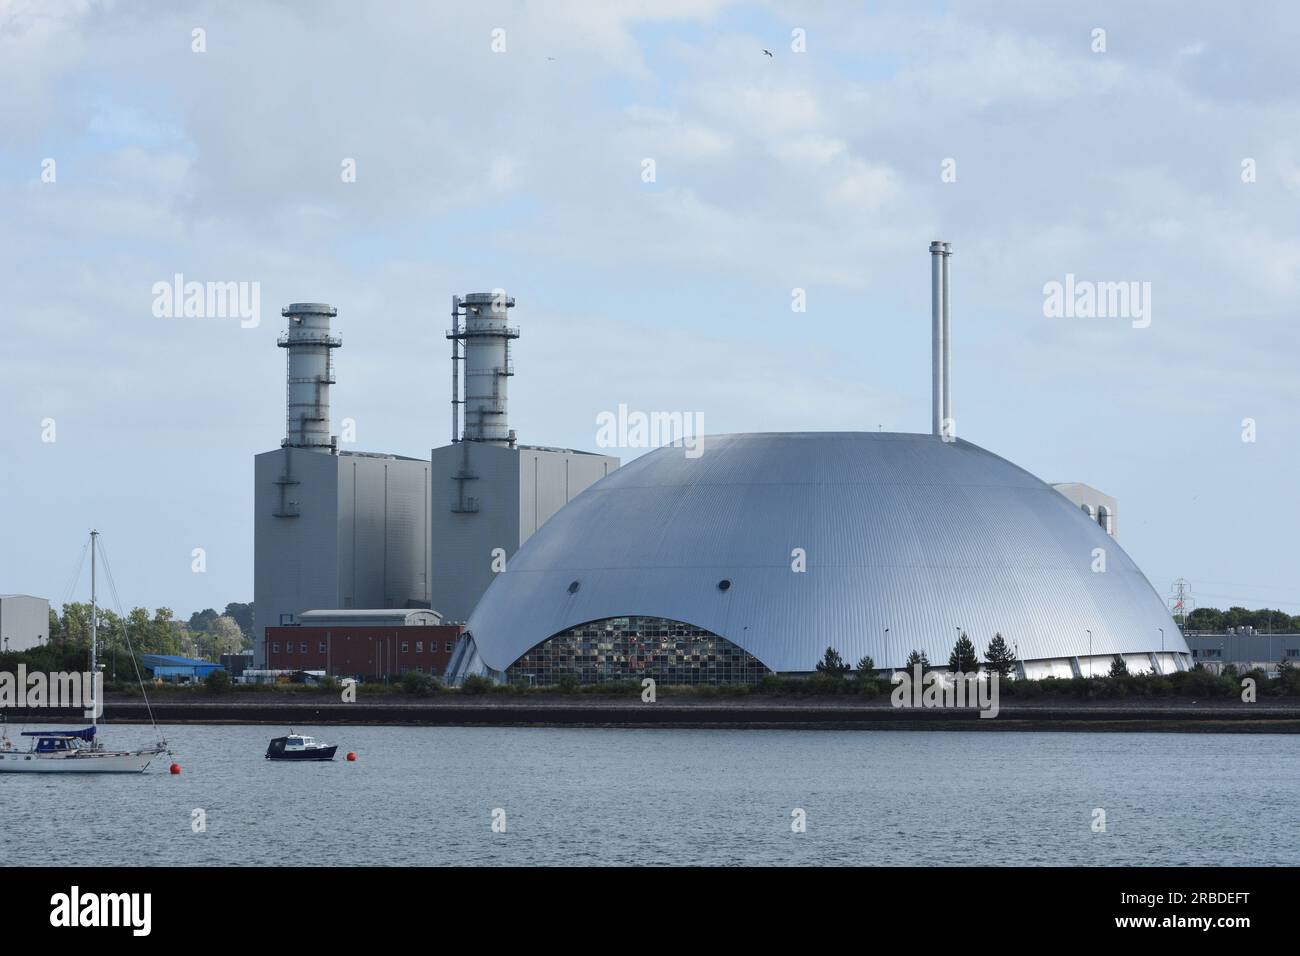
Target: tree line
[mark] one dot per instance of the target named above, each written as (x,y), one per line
(964,658)
(207,635)
(1264,620)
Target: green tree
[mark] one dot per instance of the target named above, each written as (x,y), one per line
(159,634)
(866,666)
(224,637)
(963,659)
(242,614)
(201,621)
(919,657)
(832,664)
(1000,656)
(136,627)
(1118,668)
(74,627)
(184,641)
(419,684)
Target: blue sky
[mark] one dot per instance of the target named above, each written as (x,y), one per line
(818,170)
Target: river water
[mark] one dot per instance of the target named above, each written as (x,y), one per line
(430,796)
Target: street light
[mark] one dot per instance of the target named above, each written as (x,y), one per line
(1089,653)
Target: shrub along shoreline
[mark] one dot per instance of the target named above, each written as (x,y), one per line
(1196,684)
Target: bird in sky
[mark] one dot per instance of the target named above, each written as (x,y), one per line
(769,53)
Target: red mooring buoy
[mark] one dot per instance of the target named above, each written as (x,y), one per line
(352,756)
(175,769)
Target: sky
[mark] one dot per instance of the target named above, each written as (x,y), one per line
(504,145)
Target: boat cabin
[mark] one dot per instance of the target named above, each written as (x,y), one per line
(60,741)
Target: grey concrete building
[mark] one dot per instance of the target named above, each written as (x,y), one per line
(490,493)
(24,622)
(494,496)
(338,531)
(1243,648)
(370,617)
(1097,505)
(345,530)
(332,529)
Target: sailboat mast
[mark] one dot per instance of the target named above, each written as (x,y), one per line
(94,621)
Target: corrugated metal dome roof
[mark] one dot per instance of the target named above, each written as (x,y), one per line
(903,532)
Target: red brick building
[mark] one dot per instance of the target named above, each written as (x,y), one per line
(367,652)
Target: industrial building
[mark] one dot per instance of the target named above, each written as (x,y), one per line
(490,493)
(332,529)
(368,644)
(24,622)
(1245,649)
(1097,505)
(357,531)
(757,555)
(181,670)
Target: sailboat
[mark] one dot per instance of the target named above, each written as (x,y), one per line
(79,751)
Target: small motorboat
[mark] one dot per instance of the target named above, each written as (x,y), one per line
(298,747)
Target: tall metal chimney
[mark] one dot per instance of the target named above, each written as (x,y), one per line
(947,427)
(486,338)
(938,336)
(454,335)
(309,373)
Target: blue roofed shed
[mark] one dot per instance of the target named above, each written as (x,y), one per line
(171,667)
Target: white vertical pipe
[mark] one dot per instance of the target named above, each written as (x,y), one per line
(938,371)
(947,349)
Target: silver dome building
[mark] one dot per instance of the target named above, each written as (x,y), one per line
(756,552)
(768,548)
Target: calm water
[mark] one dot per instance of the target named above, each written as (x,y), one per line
(577,796)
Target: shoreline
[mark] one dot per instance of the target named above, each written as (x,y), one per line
(763,714)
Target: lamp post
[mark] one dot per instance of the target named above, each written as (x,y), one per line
(1089,654)
(888,651)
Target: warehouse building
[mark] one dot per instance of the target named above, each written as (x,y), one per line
(24,622)
(180,670)
(1245,649)
(756,555)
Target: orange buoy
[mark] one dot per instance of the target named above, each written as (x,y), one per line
(352,756)
(175,769)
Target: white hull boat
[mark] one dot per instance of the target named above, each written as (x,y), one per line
(76,761)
